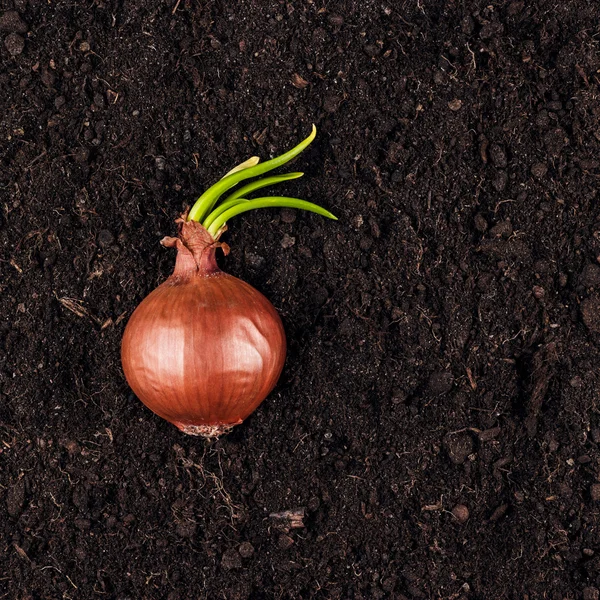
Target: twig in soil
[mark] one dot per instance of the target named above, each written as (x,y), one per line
(472,59)
(77,308)
(13,263)
(300,442)
(472,381)
(21,552)
(293,518)
(429,322)
(542,369)
(473,429)
(582,74)
(57,569)
(36,159)
(499,204)
(434,507)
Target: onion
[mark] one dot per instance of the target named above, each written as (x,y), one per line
(204,349)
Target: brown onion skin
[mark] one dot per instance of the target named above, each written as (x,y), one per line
(204,349)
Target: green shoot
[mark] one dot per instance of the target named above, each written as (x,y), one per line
(251,162)
(268,202)
(261,183)
(213,219)
(210,197)
(221,209)
(237,196)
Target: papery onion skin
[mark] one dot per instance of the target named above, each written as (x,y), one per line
(204,349)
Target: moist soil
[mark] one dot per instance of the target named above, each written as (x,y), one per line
(436,429)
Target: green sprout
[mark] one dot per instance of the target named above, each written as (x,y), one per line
(213,212)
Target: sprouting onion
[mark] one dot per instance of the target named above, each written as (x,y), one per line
(204,349)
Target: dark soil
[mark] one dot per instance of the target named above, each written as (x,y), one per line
(438,419)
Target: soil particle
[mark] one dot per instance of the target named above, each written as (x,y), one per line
(372,50)
(461,513)
(499,513)
(455,105)
(246,549)
(498,156)
(440,382)
(105,238)
(319,297)
(591,593)
(502,229)
(490,30)
(589,164)
(231,560)
(48,77)
(388,584)
(287,241)
(415,592)
(539,170)
(467,25)
(481,223)
(489,434)
(538,292)
(458,446)
(590,312)
(590,276)
(186,529)
(15,498)
(555,140)
(595,492)
(80,498)
(11,22)
(284,542)
(331,104)
(254,260)
(592,567)
(14,43)
(500,180)
(288,215)
(82,155)
(82,524)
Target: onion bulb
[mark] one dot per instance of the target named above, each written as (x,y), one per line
(204,349)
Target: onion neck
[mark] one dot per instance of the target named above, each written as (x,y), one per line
(187,264)
(196,250)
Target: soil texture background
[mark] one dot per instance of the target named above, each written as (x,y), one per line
(436,430)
